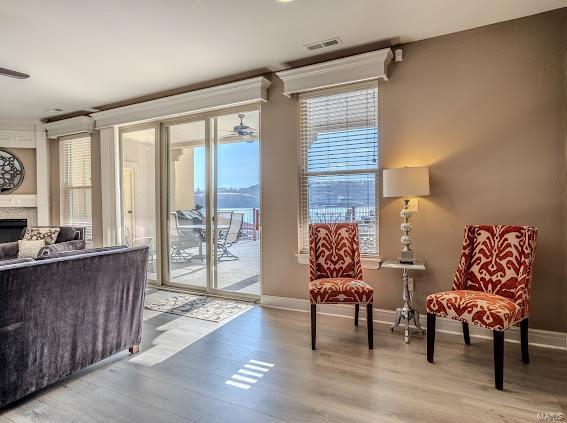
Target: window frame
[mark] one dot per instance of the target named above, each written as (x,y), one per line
(62,186)
(369,260)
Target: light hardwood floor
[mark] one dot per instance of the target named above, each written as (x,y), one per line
(182,371)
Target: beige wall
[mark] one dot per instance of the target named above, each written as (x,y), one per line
(27,157)
(141,158)
(183,176)
(484,109)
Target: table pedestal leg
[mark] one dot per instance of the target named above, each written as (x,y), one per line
(416,322)
(406,312)
(397,319)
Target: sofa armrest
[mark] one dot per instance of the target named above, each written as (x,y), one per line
(9,250)
(49,250)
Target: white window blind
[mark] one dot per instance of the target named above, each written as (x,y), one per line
(339,160)
(76,209)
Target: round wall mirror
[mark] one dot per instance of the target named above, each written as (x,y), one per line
(11,172)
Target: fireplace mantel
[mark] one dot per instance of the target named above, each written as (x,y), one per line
(18,200)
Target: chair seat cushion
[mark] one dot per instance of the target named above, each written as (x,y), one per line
(340,291)
(483,309)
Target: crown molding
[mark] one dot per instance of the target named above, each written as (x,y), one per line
(358,68)
(71,126)
(236,93)
(17,138)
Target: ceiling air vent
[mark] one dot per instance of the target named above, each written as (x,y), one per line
(323,44)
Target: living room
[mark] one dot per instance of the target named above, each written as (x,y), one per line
(359,215)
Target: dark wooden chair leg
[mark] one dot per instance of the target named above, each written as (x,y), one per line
(313,325)
(134,349)
(356,311)
(498,359)
(524,340)
(430,336)
(466,333)
(370,324)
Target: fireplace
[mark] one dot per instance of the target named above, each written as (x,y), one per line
(11,229)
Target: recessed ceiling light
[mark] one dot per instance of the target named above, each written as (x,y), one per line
(285,1)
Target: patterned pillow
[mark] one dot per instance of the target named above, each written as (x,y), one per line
(30,249)
(49,235)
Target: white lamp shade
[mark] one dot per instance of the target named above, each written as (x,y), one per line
(406,182)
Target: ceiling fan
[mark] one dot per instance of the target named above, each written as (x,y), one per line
(13,74)
(243,130)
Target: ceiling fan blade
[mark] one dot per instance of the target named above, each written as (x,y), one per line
(13,74)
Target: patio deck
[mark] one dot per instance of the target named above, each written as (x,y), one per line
(242,275)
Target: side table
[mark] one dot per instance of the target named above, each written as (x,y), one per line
(406,312)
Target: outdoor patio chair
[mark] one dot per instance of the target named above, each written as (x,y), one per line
(183,239)
(223,219)
(140,242)
(230,238)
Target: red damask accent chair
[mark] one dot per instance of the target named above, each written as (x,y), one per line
(491,288)
(335,273)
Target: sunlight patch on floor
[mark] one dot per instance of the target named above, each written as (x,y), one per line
(249,374)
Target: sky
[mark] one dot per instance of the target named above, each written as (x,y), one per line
(238,165)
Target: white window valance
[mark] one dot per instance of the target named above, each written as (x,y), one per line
(234,94)
(358,68)
(71,126)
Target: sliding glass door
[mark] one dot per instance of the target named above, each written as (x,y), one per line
(187,198)
(192,195)
(139,201)
(237,203)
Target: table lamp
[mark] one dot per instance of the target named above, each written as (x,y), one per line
(406,182)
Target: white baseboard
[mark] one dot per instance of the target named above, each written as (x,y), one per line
(537,337)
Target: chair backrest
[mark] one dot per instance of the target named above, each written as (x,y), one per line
(184,234)
(497,259)
(126,235)
(334,251)
(234,228)
(182,218)
(223,218)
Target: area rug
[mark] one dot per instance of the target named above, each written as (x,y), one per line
(195,306)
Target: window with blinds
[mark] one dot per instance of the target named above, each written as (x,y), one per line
(76,209)
(339,160)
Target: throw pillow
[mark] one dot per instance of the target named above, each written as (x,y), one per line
(30,248)
(66,233)
(47,234)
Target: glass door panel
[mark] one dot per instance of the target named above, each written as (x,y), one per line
(187,204)
(139,205)
(237,203)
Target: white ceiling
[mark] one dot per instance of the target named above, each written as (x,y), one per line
(83,54)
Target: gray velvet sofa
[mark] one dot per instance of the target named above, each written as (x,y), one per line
(68,239)
(61,314)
